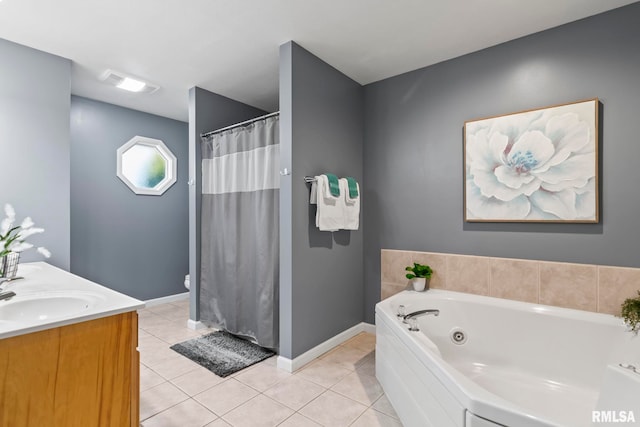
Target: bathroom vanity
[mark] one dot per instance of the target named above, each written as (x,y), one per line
(68,352)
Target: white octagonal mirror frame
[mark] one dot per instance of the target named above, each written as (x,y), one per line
(170,170)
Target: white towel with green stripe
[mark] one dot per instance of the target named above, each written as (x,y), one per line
(350,192)
(330,210)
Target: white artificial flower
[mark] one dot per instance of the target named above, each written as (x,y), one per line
(44,252)
(10,212)
(5,226)
(27,223)
(6,223)
(18,234)
(24,233)
(16,246)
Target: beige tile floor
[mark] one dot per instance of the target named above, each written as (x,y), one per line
(337,389)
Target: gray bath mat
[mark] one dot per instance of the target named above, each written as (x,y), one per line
(222,353)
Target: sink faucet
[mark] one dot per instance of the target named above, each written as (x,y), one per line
(7,295)
(412,317)
(7,280)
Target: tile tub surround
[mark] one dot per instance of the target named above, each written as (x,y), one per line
(596,288)
(337,389)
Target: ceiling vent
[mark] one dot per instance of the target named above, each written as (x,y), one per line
(126,82)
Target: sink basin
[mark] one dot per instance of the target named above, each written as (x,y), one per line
(43,307)
(5,323)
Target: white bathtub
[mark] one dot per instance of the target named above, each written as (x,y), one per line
(522,365)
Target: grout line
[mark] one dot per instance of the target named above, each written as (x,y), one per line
(157,413)
(597,289)
(259,392)
(538,283)
(490,277)
(446,269)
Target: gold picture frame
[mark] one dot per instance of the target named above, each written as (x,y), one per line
(538,165)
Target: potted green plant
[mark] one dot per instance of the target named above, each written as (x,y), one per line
(631,313)
(419,275)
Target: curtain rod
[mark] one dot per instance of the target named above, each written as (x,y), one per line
(237,125)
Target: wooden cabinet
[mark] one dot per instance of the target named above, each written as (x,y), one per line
(81,375)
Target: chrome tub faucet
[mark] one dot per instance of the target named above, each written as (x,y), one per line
(412,317)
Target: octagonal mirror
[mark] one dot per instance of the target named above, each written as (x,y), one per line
(146,166)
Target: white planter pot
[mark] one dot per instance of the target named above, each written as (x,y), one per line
(419,283)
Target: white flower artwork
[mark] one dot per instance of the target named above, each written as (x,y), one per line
(539,165)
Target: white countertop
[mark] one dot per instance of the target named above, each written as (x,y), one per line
(49,297)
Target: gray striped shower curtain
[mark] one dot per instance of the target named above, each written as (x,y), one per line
(240,231)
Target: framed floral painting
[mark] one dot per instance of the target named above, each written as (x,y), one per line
(533,166)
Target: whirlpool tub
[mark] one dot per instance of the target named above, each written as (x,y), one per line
(486,362)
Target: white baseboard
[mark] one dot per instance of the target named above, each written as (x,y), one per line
(369,328)
(291,365)
(164,300)
(194,325)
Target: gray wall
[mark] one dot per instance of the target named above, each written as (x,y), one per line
(134,244)
(414,149)
(34,144)
(207,111)
(321,122)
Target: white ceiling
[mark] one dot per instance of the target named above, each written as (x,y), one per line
(230,47)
